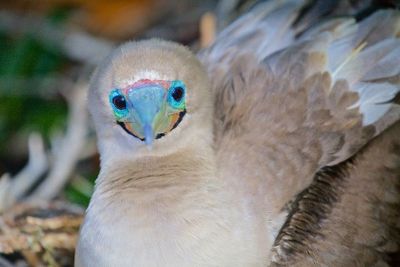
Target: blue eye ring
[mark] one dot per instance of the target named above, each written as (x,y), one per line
(177,94)
(118,103)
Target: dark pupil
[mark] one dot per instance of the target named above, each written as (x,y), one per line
(177,94)
(119,102)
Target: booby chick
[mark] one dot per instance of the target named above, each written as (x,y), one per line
(243,155)
(159,202)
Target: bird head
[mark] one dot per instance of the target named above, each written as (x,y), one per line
(149,94)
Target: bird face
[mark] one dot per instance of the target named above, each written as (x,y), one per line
(150,94)
(149,109)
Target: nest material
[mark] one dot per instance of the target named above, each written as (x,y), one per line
(41,234)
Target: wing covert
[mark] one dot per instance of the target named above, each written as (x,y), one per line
(286,108)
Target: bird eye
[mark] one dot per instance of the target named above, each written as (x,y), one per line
(177,93)
(119,102)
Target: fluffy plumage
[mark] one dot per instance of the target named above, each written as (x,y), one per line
(273,163)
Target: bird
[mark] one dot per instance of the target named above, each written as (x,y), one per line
(271,147)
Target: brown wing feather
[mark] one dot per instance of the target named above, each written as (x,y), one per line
(349,212)
(297,110)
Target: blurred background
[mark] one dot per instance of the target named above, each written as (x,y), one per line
(48,155)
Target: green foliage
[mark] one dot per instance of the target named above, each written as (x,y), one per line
(29,100)
(25,62)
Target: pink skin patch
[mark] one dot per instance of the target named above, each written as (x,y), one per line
(142,82)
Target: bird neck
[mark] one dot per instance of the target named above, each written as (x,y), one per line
(151,179)
(165,205)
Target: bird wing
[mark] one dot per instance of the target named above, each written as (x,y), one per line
(286,106)
(349,214)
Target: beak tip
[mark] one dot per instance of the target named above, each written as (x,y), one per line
(148,135)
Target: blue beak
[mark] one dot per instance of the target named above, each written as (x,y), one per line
(146,102)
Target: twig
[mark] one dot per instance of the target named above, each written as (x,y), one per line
(4,192)
(36,167)
(77,45)
(86,48)
(208,29)
(14,189)
(45,87)
(66,151)
(67,155)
